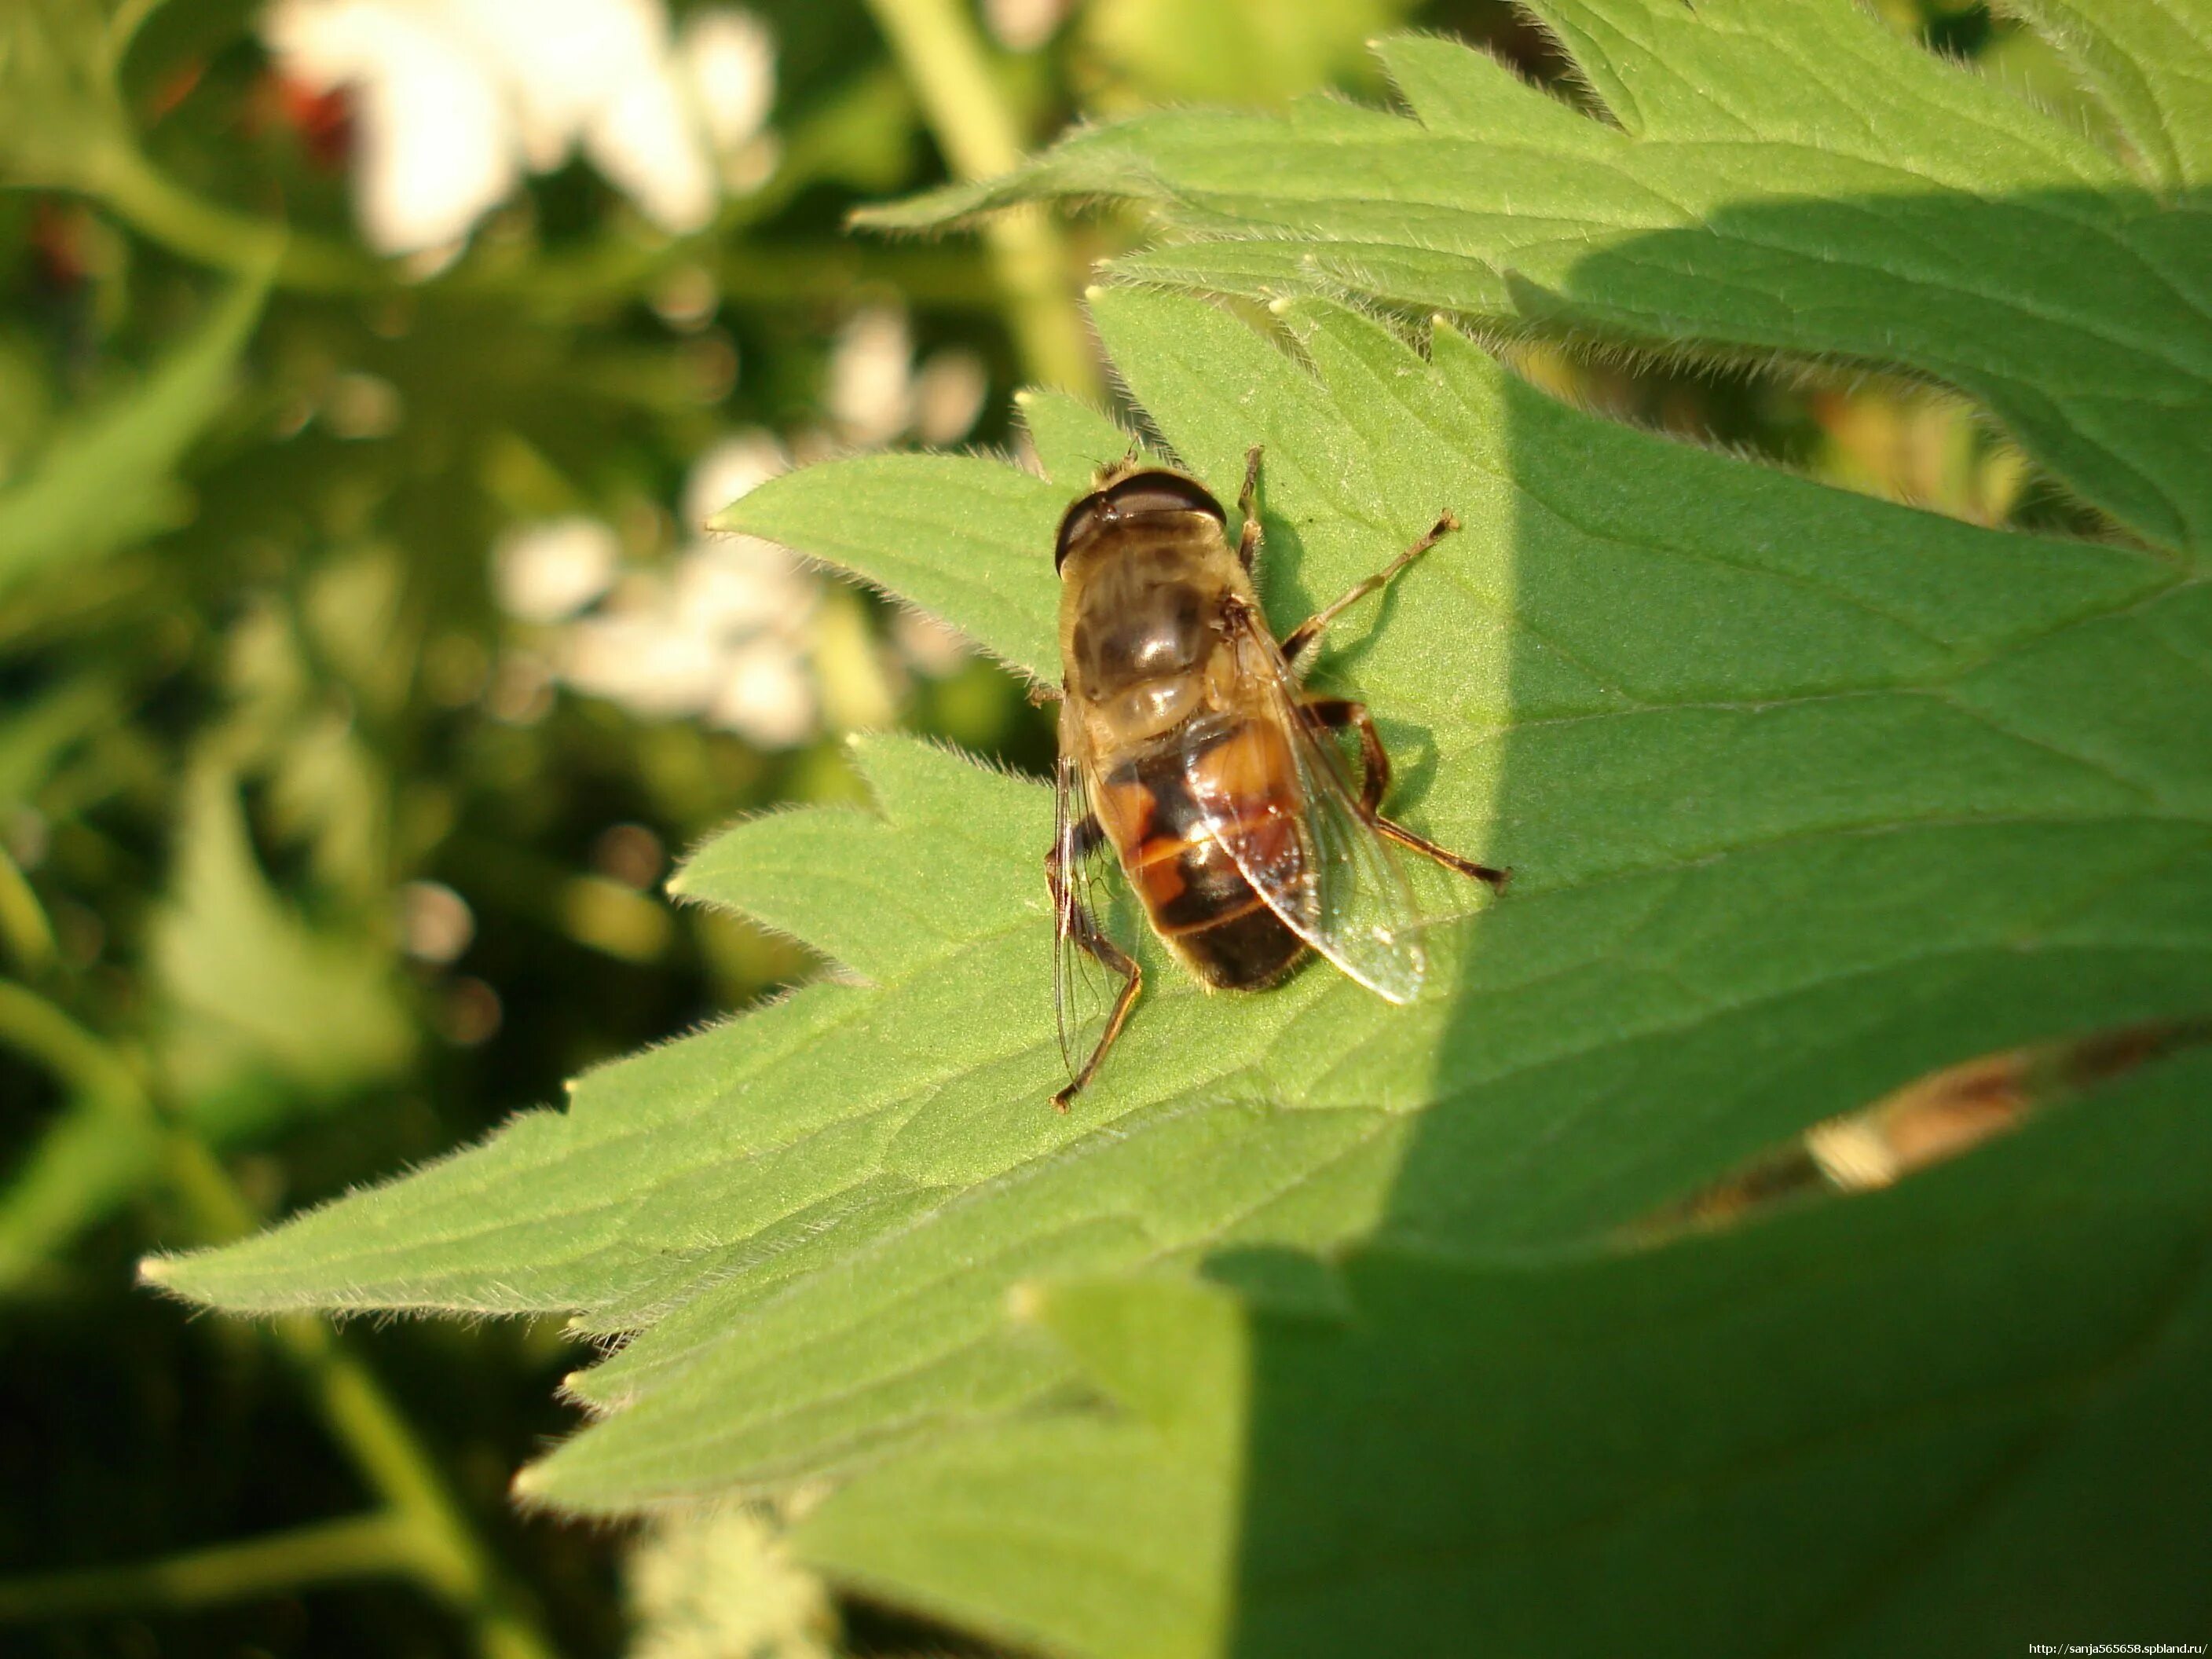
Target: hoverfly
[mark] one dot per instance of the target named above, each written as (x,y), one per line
(1188,747)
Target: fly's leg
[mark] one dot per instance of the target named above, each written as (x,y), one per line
(1311,630)
(1076,922)
(1428,849)
(1247,541)
(1333,713)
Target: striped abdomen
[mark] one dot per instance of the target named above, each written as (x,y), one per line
(1173,811)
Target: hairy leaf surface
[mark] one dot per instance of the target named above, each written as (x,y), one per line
(1734,1444)
(1804,793)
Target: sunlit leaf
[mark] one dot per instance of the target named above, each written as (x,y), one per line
(2146,61)
(964,535)
(1792,179)
(1784,774)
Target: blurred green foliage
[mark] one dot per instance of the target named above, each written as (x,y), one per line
(318,856)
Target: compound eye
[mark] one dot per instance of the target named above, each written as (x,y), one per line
(1078,522)
(1164,492)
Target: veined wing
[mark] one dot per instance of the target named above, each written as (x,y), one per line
(1353,904)
(1084,989)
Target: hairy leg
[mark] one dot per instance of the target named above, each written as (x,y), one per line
(1247,540)
(1076,922)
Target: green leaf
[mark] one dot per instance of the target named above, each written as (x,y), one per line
(1073,440)
(2146,61)
(107,481)
(1805,793)
(965,535)
(261,1012)
(88,1158)
(60,119)
(1894,1425)
(39,733)
(1792,180)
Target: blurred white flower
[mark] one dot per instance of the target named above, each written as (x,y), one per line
(1025,25)
(767,695)
(454,98)
(729,59)
(435,923)
(871,376)
(431,125)
(724,633)
(948,395)
(709,1586)
(740,586)
(928,644)
(544,572)
(644,659)
(729,470)
(875,393)
(647,140)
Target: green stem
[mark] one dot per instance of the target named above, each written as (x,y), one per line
(938,45)
(34,1027)
(23,919)
(446,1555)
(158,208)
(357,1546)
(130,16)
(945,277)
(90,1159)
(442,1549)
(96,1152)
(748,273)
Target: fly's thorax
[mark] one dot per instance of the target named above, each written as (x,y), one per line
(1142,608)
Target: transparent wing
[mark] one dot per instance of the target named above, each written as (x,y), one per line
(1352,903)
(1083,989)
